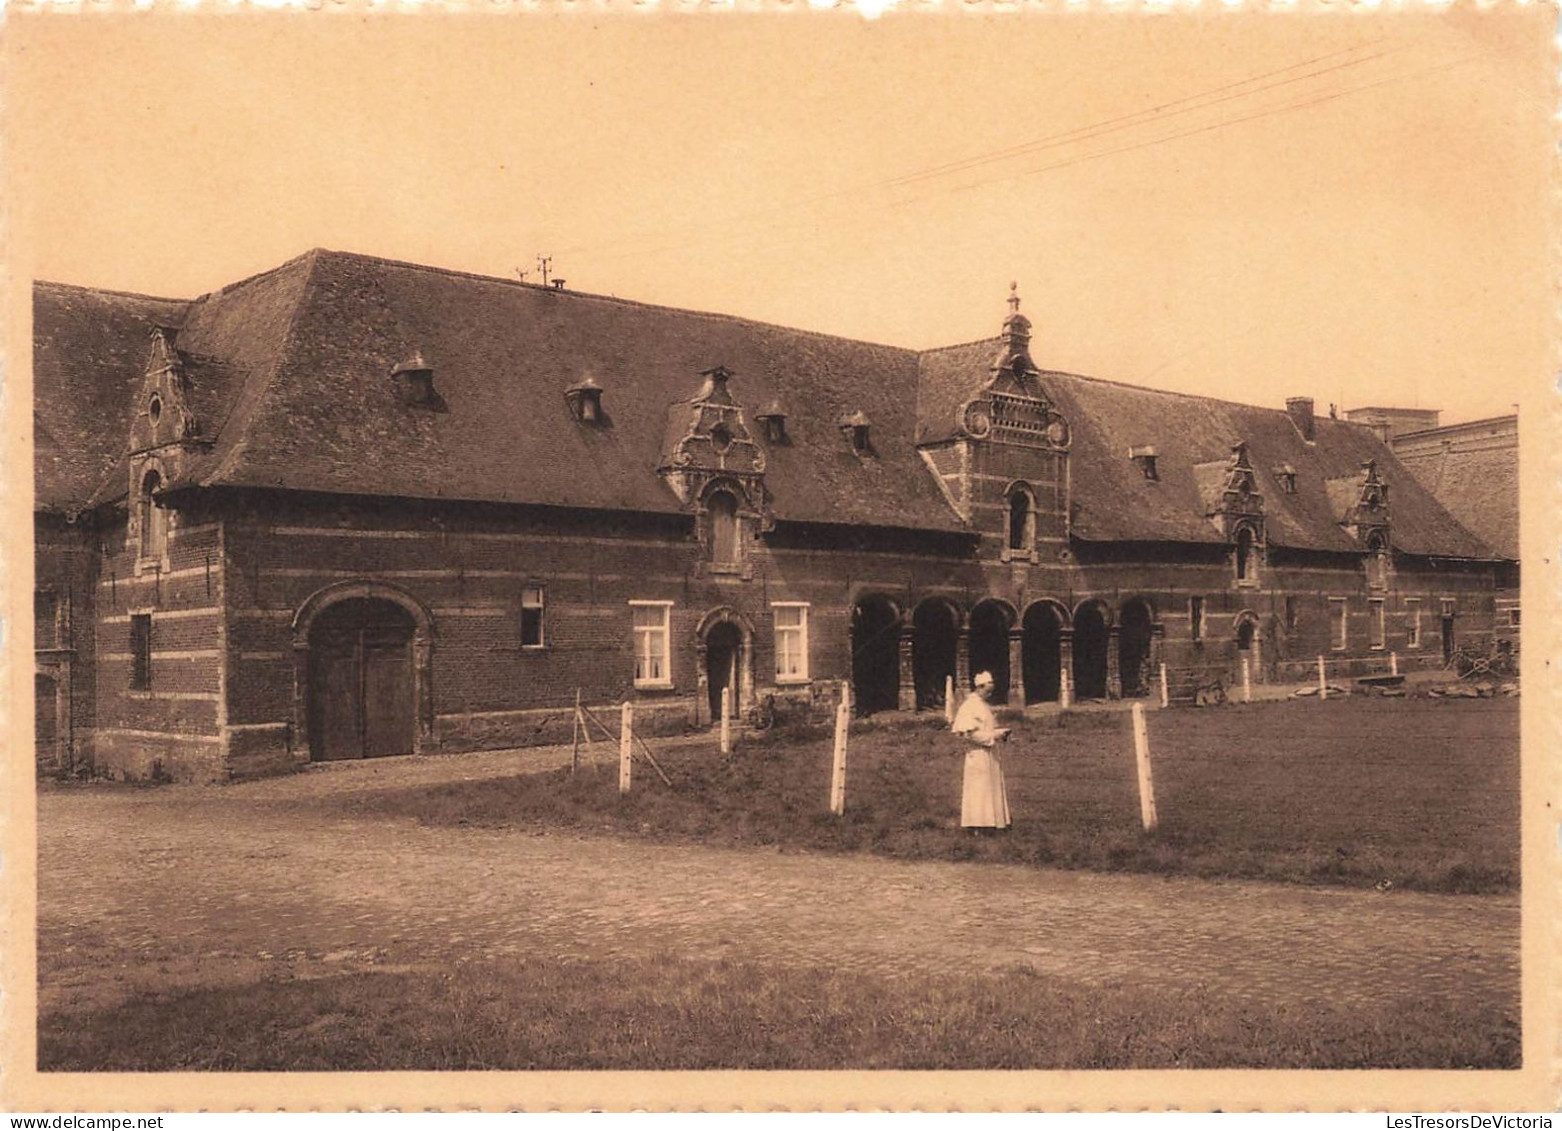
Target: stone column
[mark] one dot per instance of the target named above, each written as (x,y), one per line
(1157,652)
(1114,657)
(298,732)
(908,672)
(1016,667)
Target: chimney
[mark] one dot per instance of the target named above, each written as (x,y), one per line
(1300,410)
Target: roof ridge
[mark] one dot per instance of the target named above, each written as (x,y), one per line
(456,272)
(989,339)
(228,288)
(109,291)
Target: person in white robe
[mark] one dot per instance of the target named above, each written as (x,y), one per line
(984,801)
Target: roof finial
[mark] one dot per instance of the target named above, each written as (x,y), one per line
(1014,297)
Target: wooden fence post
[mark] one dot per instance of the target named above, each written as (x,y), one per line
(574,754)
(1247,680)
(1323,681)
(626,739)
(1165,689)
(838,767)
(1146,778)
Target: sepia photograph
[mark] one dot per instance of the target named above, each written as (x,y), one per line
(571,538)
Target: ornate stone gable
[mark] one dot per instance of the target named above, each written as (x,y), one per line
(711,455)
(1368,518)
(165,429)
(1239,503)
(1013,408)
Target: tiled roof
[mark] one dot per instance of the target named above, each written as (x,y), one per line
(1478,483)
(1115,502)
(291,376)
(89,351)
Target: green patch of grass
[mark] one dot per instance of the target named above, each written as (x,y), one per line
(669,1013)
(1415,794)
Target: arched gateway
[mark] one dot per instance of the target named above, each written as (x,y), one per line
(362,654)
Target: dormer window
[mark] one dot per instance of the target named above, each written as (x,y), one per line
(1144,458)
(585,400)
(152,519)
(1285,475)
(855,427)
(414,382)
(773,418)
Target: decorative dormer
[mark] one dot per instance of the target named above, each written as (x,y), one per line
(164,433)
(584,398)
(715,468)
(1369,522)
(1241,515)
(1013,408)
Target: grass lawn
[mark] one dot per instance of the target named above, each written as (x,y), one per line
(673,1013)
(1418,793)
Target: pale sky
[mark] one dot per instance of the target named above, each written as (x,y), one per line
(1348,206)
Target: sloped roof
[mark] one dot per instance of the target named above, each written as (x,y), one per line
(89,351)
(325,418)
(290,376)
(1115,502)
(1478,483)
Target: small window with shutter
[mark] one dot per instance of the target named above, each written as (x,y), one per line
(532,603)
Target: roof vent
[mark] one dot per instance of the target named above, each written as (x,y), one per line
(855,427)
(773,417)
(1144,456)
(414,381)
(585,400)
(558,284)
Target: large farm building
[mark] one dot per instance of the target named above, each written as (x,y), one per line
(353,507)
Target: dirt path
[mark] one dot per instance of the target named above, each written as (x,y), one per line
(182,886)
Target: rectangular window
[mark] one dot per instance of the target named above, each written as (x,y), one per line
(531,617)
(1413,622)
(1340,611)
(1290,614)
(1513,618)
(1448,606)
(1196,618)
(140,651)
(653,664)
(1379,630)
(791,621)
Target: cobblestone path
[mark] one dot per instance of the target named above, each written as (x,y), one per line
(186,886)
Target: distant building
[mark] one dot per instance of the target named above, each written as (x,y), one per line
(352,507)
(1388,423)
(1473,469)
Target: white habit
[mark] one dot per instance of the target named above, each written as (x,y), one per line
(984,803)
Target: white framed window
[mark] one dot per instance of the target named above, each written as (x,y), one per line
(791,627)
(1412,622)
(533,601)
(1513,618)
(1378,626)
(1449,608)
(152,520)
(1339,611)
(1196,618)
(653,640)
(1246,557)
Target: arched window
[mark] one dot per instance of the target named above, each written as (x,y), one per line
(153,518)
(1246,563)
(723,510)
(1021,530)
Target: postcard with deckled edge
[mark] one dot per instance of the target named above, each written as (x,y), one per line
(949,557)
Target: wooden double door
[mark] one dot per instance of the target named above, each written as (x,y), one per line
(361,686)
